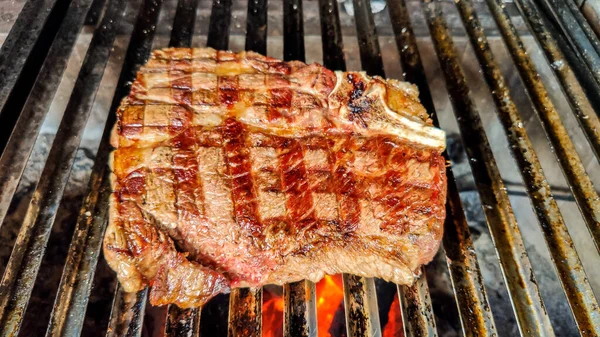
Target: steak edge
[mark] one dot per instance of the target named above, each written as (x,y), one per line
(239,170)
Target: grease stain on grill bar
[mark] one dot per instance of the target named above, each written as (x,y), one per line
(182,322)
(574,280)
(245,312)
(526,299)
(127,314)
(572,22)
(580,183)
(565,72)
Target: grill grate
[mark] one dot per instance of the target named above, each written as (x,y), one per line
(566,40)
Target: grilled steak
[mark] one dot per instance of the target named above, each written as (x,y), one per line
(236,170)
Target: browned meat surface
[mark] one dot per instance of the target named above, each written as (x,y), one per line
(235,170)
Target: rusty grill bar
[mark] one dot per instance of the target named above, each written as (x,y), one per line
(42,41)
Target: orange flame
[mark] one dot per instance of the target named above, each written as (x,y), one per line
(394,326)
(272,319)
(330,294)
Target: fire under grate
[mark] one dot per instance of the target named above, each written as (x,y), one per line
(41,43)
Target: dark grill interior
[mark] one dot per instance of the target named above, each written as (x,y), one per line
(50,289)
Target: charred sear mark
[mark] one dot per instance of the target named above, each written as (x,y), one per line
(357,105)
(238,165)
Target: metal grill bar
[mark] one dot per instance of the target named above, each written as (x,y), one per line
(475,313)
(417,313)
(331,35)
(582,39)
(579,182)
(527,302)
(25,23)
(95,12)
(23,66)
(583,22)
(20,144)
(473,305)
(19,43)
(218,29)
(293,31)
(127,314)
(183,27)
(370,53)
(245,304)
(570,271)
(360,302)
(23,265)
(256,26)
(245,312)
(582,108)
(300,309)
(182,322)
(572,60)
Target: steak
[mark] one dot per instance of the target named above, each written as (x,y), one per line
(239,170)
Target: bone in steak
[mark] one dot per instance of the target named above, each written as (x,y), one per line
(236,170)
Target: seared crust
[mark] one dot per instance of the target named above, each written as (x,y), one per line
(241,170)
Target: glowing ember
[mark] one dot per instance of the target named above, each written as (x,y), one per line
(394,326)
(330,296)
(272,319)
(330,293)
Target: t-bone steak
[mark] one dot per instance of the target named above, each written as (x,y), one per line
(239,170)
